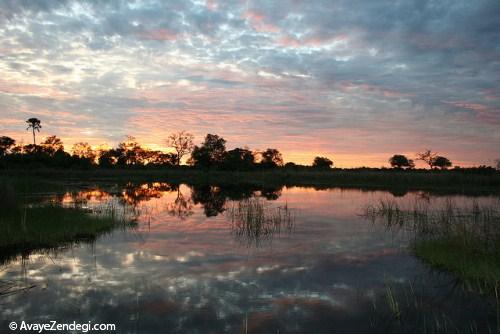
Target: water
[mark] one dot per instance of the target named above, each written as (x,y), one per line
(185,269)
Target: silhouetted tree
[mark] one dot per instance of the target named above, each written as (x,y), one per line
(61,159)
(52,144)
(108,158)
(30,149)
(210,153)
(271,158)
(17,149)
(84,151)
(130,152)
(182,143)
(238,159)
(6,143)
(401,161)
(428,157)
(322,163)
(100,149)
(441,162)
(34,124)
(159,158)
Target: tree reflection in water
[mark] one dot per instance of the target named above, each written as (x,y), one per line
(182,207)
(136,194)
(212,198)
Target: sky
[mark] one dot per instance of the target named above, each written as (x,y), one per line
(357,81)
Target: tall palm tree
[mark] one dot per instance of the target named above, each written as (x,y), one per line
(34,124)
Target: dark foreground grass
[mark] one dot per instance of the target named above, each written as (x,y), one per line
(25,228)
(28,229)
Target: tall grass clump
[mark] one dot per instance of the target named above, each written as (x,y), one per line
(253,219)
(462,239)
(28,227)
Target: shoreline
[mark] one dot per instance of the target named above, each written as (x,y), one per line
(454,181)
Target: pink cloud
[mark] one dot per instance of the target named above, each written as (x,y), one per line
(34,90)
(350,87)
(478,107)
(211,4)
(482,112)
(258,21)
(491,94)
(160,34)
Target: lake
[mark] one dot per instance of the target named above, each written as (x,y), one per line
(189,267)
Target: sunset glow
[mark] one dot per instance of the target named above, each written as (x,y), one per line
(335,79)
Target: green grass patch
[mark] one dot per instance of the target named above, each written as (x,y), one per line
(480,269)
(24,230)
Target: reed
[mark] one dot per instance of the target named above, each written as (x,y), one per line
(463,240)
(27,227)
(253,219)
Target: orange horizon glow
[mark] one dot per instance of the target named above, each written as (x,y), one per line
(341,160)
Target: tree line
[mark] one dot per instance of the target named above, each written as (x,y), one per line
(210,154)
(432,159)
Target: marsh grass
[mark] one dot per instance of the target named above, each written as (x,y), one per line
(254,219)
(392,302)
(33,228)
(410,307)
(27,227)
(463,240)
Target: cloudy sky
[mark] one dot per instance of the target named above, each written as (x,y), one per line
(353,80)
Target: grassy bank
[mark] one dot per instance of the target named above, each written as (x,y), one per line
(479,269)
(398,180)
(25,228)
(462,240)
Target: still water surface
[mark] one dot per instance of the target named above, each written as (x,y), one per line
(185,269)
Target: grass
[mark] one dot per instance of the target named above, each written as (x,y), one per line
(392,302)
(25,228)
(409,307)
(471,266)
(253,219)
(51,226)
(462,240)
